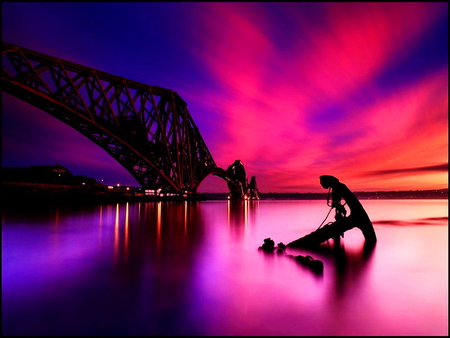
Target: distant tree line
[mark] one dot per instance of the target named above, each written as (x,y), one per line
(50,174)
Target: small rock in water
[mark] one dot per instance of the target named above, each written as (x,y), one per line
(268,245)
(315,264)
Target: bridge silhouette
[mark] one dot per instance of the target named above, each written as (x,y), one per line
(147,129)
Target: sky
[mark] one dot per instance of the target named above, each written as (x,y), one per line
(293,90)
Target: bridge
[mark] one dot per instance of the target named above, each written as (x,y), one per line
(147,129)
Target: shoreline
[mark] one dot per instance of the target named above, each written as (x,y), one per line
(44,193)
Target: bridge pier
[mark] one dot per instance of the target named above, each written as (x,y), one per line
(237,182)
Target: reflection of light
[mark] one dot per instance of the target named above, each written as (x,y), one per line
(228,212)
(126,239)
(245,216)
(158,226)
(139,213)
(100,222)
(254,208)
(185,217)
(116,234)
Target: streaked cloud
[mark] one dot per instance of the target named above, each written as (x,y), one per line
(432,168)
(293,90)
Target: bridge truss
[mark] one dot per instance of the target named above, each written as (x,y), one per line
(147,129)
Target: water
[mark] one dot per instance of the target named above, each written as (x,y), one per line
(186,268)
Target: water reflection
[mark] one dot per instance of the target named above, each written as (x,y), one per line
(156,225)
(193,268)
(421,221)
(154,248)
(241,214)
(350,266)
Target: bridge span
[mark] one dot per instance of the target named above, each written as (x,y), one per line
(147,129)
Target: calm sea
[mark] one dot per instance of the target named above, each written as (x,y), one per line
(194,268)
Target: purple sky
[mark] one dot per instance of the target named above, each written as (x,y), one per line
(293,90)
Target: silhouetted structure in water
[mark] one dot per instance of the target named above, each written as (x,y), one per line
(315,265)
(237,183)
(253,192)
(358,217)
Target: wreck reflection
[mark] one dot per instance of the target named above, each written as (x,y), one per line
(188,268)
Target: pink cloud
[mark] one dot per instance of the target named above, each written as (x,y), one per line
(294,92)
(267,100)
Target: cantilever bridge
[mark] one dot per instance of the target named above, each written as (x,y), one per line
(147,129)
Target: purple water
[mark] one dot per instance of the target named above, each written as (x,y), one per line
(185,268)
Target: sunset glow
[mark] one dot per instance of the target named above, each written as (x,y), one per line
(293,90)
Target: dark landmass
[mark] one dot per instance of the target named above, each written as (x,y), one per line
(57,185)
(413,194)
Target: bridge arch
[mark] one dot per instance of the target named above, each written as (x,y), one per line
(147,129)
(236,178)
